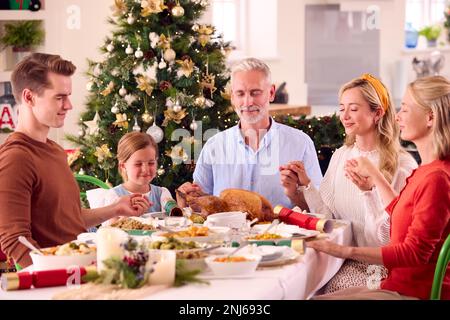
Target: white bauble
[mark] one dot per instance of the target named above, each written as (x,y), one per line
(193,125)
(169,55)
(177,108)
(123,92)
(89,85)
(130,19)
(162,64)
(110,47)
(161,171)
(156,132)
(115,109)
(195,27)
(178,11)
(139,54)
(129,50)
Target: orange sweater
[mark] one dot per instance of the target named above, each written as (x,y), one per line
(420,223)
(39,197)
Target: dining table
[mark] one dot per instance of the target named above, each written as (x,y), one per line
(299,279)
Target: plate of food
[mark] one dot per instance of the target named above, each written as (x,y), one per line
(194,233)
(135,226)
(270,255)
(63,256)
(294,231)
(270,237)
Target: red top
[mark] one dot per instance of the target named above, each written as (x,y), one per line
(420,223)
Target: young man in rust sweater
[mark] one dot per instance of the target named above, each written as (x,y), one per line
(39,197)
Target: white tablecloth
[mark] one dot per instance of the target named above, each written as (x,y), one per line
(299,280)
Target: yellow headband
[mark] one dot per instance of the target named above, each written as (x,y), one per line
(379,88)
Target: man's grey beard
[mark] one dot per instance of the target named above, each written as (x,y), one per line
(254,119)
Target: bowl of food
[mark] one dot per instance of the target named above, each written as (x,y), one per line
(239,264)
(71,254)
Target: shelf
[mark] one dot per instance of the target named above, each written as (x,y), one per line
(22,15)
(426,50)
(5,76)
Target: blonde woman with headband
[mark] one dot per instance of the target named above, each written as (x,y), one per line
(420,214)
(368,117)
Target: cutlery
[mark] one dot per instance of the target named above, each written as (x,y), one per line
(273,224)
(29,245)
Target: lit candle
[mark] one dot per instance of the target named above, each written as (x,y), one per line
(164,268)
(109,242)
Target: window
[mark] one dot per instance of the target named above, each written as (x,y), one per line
(250,26)
(421,13)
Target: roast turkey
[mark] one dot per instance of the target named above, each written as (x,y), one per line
(251,202)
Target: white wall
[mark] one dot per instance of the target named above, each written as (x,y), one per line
(288,65)
(76,45)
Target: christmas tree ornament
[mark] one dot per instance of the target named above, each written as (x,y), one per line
(139,53)
(186,67)
(154,39)
(129,50)
(199,101)
(161,171)
(136,125)
(81,133)
(208,81)
(177,106)
(121,120)
(152,6)
(177,11)
(110,47)
(204,3)
(102,153)
(129,98)
(156,132)
(162,64)
(169,55)
(82,172)
(89,85)
(147,117)
(205,34)
(145,84)
(195,27)
(93,124)
(130,19)
(109,88)
(171,115)
(115,109)
(123,92)
(193,125)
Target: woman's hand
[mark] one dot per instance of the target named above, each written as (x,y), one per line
(330,248)
(132,205)
(362,167)
(363,183)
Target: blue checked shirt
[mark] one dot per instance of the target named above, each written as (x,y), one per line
(227,162)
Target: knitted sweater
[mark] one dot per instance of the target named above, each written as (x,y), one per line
(39,197)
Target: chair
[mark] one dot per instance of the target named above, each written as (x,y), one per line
(92,180)
(441,268)
(93,203)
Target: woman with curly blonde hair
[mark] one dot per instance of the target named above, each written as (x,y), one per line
(368,117)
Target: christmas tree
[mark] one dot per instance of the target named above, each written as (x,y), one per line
(163,74)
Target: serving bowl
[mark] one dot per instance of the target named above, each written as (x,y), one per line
(64,259)
(224,265)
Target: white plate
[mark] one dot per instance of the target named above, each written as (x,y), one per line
(295,231)
(283,235)
(287,254)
